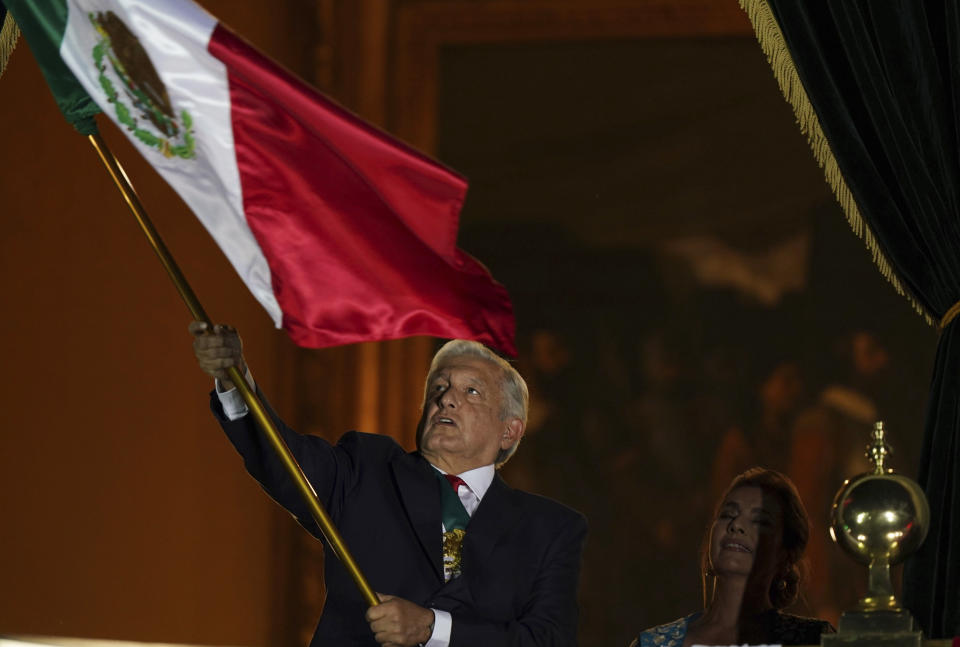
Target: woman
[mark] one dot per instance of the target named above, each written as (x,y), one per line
(751,571)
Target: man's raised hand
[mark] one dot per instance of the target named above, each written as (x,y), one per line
(216,350)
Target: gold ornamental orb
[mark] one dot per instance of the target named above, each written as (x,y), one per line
(880,517)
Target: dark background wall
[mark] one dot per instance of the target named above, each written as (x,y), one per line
(592,164)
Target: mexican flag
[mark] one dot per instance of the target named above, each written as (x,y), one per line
(341,232)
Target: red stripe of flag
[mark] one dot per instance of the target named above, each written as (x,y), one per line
(358,229)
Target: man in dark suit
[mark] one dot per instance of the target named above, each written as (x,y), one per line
(461,559)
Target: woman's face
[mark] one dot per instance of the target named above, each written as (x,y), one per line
(747,536)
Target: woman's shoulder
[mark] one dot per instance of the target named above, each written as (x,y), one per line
(670,634)
(789,629)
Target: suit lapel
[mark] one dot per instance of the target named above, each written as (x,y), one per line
(496,514)
(420,492)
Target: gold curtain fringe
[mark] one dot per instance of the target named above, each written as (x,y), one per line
(8,40)
(775,48)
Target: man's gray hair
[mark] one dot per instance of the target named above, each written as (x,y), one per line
(516,397)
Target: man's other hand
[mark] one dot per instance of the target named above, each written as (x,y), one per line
(217,350)
(398,622)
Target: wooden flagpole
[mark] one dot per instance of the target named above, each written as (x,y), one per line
(330,533)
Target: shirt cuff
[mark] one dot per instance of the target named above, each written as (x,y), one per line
(442,625)
(232,402)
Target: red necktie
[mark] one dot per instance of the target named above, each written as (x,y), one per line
(453,537)
(456,482)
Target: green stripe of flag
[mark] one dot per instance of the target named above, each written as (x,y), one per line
(43,23)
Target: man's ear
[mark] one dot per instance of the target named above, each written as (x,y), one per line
(512,434)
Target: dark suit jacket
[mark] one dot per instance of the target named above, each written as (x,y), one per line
(521,553)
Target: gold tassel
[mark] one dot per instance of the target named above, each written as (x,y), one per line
(8,40)
(950,316)
(771,42)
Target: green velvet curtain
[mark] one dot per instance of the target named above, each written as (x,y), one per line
(883,78)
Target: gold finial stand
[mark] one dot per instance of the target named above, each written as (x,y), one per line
(878,450)
(880,595)
(879,518)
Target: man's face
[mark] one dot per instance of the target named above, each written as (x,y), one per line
(463,427)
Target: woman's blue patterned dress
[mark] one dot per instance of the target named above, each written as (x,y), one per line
(668,635)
